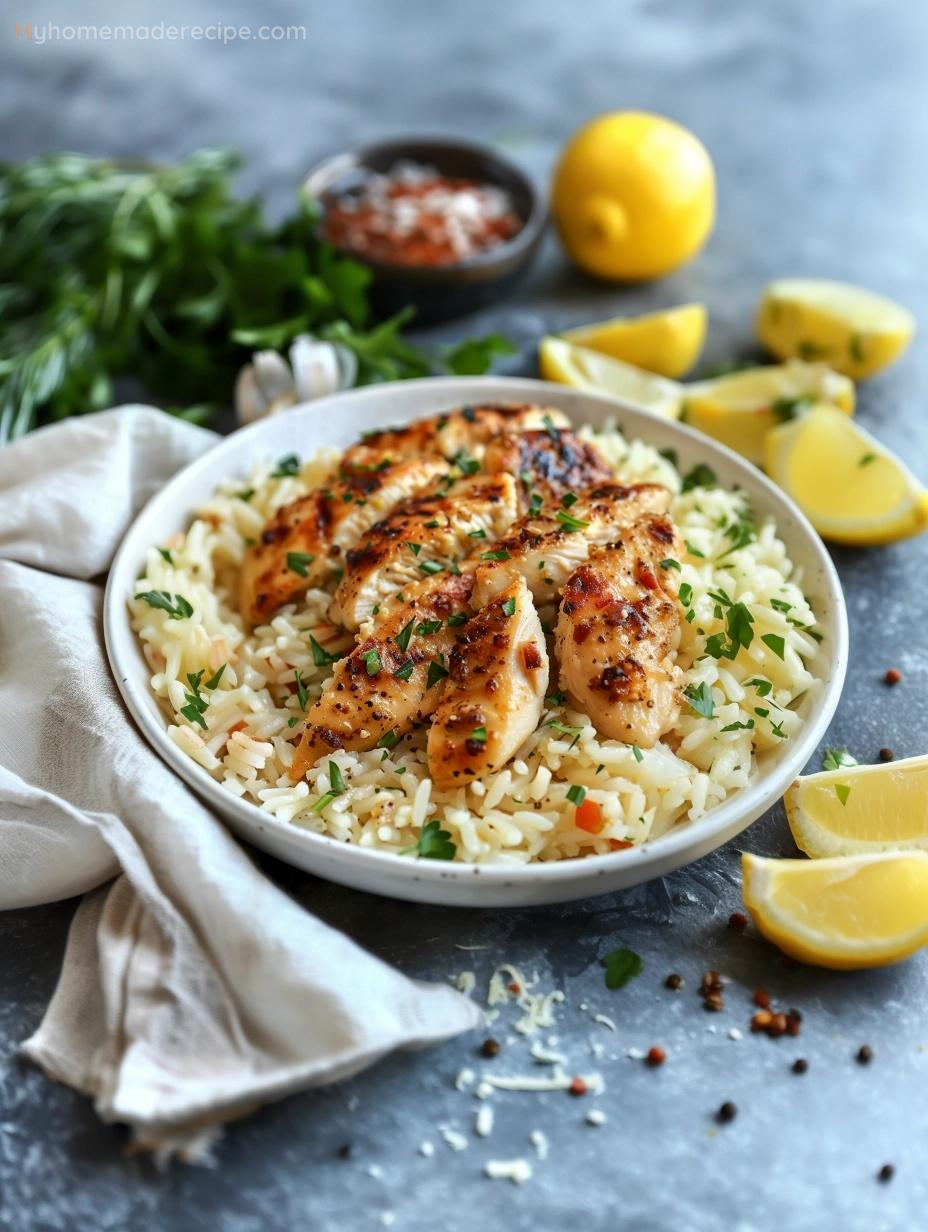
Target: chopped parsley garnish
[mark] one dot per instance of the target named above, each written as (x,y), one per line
(777,729)
(415,548)
(600,768)
(576,794)
(569,522)
(837,759)
(509,607)
(565,729)
(776,643)
(433,525)
(286,467)
(453,569)
(321,657)
(336,788)
(811,350)
(555,699)
(431,567)
(700,476)
(568,499)
(786,409)
(177,607)
(299,562)
(856,348)
(466,465)
(550,428)
(246,494)
(457,618)
(434,843)
(402,638)
(741,532)
(372,662)
(480,533)
(428,626)
(621,966)
(739,633)
(292,721)
(534,507)
(196,704)
(639,756)
(526,477)
(867,459)
(670,563)
(748,726)
(501,555)
(671,456)
(842,791)
(479,735)
(763,687)
(404,672)
(700,699)
(301,692)
(389,740)
(213,681)
(781,605)
(694,551)
(686,594)
(437,671)
(166,555)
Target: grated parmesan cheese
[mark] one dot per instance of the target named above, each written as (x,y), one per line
(466,982)
(454,1139)
(605,1020)
(483,1122)
(515,1170)
(427,1149)
(596,1116)
(508,983)
(545,1056)
(464,1079)
(734,1034)
(483,1090)
(539,1141)
(558,1081)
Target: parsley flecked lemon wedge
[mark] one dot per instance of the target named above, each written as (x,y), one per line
(854,330)
(667,342)
(851,488)
(858,810)
(846,912)
(582,368)
(740,409)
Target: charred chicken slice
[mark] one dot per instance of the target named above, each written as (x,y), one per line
(544,550)
(549,464)
(617,632)
(466,430)
(303,543)
(422,537)
(494,695)
(391,681)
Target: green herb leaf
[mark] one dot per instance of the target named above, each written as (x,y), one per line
(434,843)
(842,791)
(700,699)
(837,759)
(478,735)
(457,618)
(621,966)
(776,643)
(301,692)
(686,594)
(166,555)
(426,627)
(569,522)
(501,555)
(639,756)
(177,607)
(389,740)
(404,672)
(786,409)
(867,459)
(670,563)
(299,562)
(568,499)
(415,548)
(437,671)
(213,681)
(321,656)
(372,662)
(287,467)
(431,567)
(403,637)
(509,607)
(576,794)
(701,476)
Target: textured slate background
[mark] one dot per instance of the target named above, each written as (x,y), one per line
(815,117)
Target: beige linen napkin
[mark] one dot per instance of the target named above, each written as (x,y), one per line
(192,987)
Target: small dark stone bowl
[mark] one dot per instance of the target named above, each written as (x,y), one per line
(441,292)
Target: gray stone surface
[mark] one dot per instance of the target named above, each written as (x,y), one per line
(815,116)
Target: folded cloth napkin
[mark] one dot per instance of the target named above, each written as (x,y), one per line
(192,988)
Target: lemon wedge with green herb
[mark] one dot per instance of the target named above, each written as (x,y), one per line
(667,342)
(857,810)
(846,912)
(853,330)
(851,488)
(740,409)
(582,368)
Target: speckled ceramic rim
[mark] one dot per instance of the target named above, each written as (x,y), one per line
(337,421)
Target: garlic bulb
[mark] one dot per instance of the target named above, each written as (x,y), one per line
(269,384)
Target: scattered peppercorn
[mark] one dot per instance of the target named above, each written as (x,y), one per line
(893,676)
(886,1173)
(489,1048)
(800,1065)
(713,1001)
(886,754)
(762,999)
(793,1023)
(726,1113)
(761,1020)
(864,1054)
(577,1087)
(656,1056)
(711,990)
(673,981)
(344,1151)
(738,921)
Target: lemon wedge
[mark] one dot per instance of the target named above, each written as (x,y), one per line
(857,810)
(741,408)
(567,364)
(668,342)
(854,330)
(845,912)
(852,489)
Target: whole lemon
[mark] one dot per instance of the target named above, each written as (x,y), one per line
(633,195)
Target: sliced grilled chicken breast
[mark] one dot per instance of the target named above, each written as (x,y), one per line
(426,534)
(618,629)
(495,692)
(544,550)
(304,541)
(548,464)
(466,429)
(392,680)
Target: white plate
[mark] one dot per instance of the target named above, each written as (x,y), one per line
(338,421)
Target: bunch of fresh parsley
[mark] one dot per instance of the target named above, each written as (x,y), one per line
(110,270)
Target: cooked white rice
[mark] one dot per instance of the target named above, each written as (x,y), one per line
(522,813)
